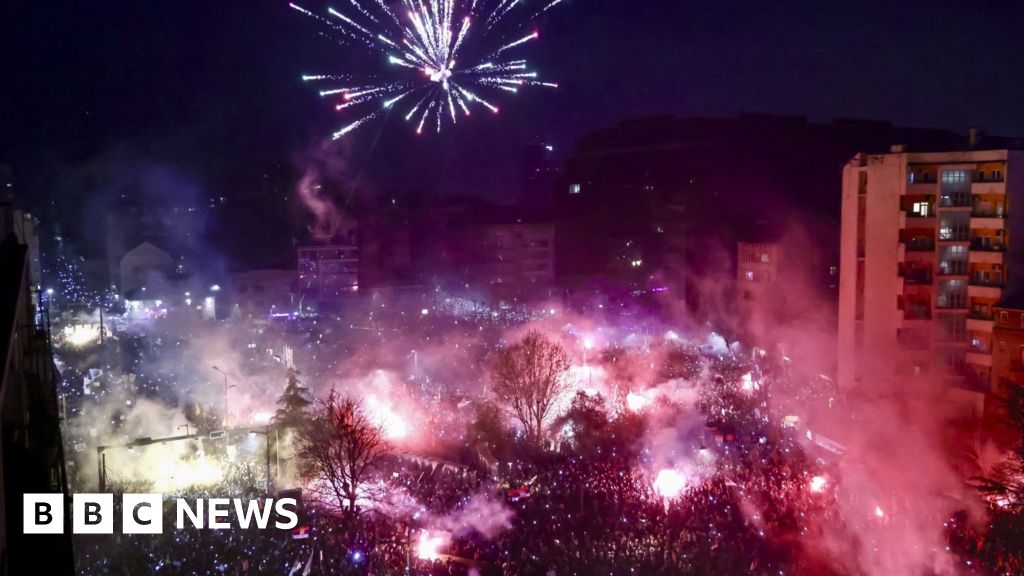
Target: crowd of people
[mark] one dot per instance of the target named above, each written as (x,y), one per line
(754,496)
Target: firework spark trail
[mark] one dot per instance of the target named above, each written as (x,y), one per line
(436,40)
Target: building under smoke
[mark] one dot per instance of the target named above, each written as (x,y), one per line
(33,458)
(928,254)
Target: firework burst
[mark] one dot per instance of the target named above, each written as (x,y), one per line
(441,58)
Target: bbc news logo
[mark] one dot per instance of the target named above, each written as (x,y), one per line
(143,513)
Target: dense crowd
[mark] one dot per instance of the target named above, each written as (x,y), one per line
(756,494)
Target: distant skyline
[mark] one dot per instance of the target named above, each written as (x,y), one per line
(214,89)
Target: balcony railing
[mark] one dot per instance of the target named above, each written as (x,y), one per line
(978,315)
(953,268)
(957,234)
(987,213)
(978,280)
(917,277)
(957,200)
(985,245)
(917,312)
(920,244)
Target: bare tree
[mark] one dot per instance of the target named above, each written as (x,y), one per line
(530,377)
(338,450)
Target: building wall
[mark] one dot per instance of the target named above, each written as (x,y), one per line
(262,292)
(869,251)
(757,266)
(515,254)
(143,264)
(927,251)
(1008,348)
(328,272)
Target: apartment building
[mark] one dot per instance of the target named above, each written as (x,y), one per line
(757,265)
(930,246)
(327,272)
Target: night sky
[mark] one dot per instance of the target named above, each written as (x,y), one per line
(211,89)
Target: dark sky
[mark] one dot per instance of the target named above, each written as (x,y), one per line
(212,87)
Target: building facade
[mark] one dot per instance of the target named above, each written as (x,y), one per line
(757,266)
(327,273)
(259,293)
(31,448)
(929,248)
(516,254)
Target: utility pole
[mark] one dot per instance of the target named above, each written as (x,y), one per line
(224,424)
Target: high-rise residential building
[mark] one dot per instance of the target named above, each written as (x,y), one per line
(930,246)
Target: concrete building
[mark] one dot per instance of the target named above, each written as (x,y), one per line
(1007,348)
(515,253)
(757,266)
(31,450)
(930,246)
(327,273)
(260,293)
(145,264)
(176,229)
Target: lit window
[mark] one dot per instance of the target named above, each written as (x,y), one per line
(954,177)
(574,188)
(765,258)
(750,276)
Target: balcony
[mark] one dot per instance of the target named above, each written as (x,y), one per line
(985,257)
(988,187)
(955,200)
(952,268)
(976,323)
(955,234)
(979,358)
(915,311)
(991,292)
(978,279)
(918,277)
(988,222)
(987,210)
(920,244)
(987,244)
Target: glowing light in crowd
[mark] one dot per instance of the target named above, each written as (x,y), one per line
(818,484)
(172,473)
(429,545)
(261,417)
(81,335)
(636,402)
(669,483)
(439,58)
(391,423)
(879,512)
(748,382)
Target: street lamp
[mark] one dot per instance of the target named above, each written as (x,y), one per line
(225,423)
(587,345)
